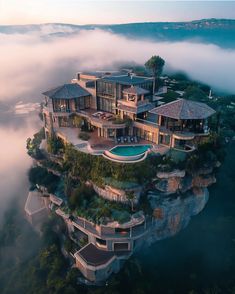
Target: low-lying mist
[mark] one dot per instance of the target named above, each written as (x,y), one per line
(14,161)
(33,62)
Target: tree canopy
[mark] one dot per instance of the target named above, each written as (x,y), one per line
(155,64)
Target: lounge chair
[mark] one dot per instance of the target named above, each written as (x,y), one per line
(108,116)
(136,139)
(118,140)
(125,139)
(132,139)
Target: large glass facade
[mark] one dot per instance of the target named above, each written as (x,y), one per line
(106,89)
(82,103)
(61,105)
(64,121)
(146,135)
(165,139)
(105,104)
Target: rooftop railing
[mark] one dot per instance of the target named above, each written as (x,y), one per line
(131,232)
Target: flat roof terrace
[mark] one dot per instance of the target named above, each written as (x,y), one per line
(34,202)
(94,256)
(127,79)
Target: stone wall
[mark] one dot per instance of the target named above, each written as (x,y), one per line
(114,194)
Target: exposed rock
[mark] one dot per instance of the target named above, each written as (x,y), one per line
(174,173)
(203,181)
(169,186)
(173,185)
(186,184)
(172,215)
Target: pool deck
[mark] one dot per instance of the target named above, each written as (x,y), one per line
(97,145)
(130,149)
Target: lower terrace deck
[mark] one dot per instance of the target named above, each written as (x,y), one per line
(96,145)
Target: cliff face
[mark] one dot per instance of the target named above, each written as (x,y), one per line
(173,214)
(176,198)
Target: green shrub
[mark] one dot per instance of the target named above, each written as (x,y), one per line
(40,176)
(80,196)
(121,216)
(33,145)
(55,144)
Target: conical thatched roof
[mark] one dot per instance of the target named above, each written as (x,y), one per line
(184,109)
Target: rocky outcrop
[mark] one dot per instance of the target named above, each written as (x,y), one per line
(173,214)
(179,181)
(203,181)
(175,173)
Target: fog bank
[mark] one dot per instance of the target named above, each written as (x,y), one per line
(14,160)
(33,62)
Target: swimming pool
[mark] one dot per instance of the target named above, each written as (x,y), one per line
(130,150)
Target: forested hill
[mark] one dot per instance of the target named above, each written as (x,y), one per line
(220,32)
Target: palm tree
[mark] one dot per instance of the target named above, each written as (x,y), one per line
(155,64)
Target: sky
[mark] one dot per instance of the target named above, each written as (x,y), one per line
(109,12)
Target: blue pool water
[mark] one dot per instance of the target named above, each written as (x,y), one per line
(130,150)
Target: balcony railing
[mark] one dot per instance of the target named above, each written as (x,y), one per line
(179,128)
(106,95)
(134,231)
(147,122)
(61,110)
(102,122)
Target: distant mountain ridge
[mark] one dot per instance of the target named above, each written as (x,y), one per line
(220,32)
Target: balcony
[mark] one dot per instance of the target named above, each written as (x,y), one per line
(109,232)
(183,135)
(145,125)
(48,108)
(146,122)
(106,95)
(101,121)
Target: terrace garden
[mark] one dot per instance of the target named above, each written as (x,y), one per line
(96,168)
(84,202)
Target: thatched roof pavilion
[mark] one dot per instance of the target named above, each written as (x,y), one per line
(183,109)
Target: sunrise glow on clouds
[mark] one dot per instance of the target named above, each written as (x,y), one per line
(87,12)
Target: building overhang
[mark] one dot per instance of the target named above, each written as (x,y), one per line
(183,136)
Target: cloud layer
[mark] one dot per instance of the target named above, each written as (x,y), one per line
(14,160)
(30,63)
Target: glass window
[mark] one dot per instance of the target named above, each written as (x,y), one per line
(121,246)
